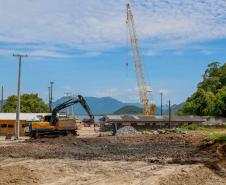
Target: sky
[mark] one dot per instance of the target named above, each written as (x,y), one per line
(83,46)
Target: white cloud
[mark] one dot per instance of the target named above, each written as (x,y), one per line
(94,25)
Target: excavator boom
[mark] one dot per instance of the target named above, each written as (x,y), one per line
(69,103)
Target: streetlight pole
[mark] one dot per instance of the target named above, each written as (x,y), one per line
(169,113)
(49,99)
(161,93)
(51,95)
(17,129)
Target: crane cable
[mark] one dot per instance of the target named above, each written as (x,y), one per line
(127,50)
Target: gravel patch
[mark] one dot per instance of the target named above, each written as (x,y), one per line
(127,130)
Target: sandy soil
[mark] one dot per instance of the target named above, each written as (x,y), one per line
(167,159)
(68,172)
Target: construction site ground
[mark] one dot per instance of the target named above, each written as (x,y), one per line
(184,158)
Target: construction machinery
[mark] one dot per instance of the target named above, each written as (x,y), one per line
(143,89)
(54,125)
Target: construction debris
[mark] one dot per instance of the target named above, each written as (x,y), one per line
(163,131)
(127,130)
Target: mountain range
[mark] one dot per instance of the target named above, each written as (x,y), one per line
(108,105)
(98,106)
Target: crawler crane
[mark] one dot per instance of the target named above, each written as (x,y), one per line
(143,90)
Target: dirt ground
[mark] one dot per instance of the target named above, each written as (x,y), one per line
(68,172)
(165,159)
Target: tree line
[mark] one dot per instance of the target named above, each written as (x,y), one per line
(210,96)
(29,103)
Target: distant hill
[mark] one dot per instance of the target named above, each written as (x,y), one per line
(108,105)
(105,105)
(175,108)
(132,109)
(129,109)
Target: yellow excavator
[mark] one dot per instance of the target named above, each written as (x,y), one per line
(54,125)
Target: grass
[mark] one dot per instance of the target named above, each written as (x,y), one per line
(221,137)
(196,127)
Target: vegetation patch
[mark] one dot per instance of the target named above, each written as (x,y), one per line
(210,97)
(29,103)
(221,137)
(196,127)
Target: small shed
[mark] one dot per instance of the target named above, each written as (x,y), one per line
(8,122)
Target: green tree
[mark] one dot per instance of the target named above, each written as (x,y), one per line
(223,75)
(210,97)
(211,84)
(212,70)
(211,78)
(220,105)
(210,100)
(201,103)
(29,103)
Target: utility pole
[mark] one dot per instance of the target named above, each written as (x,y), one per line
(161,93)
(49,88)
(51,95)
(17,129)
(169,113)
(2,99)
